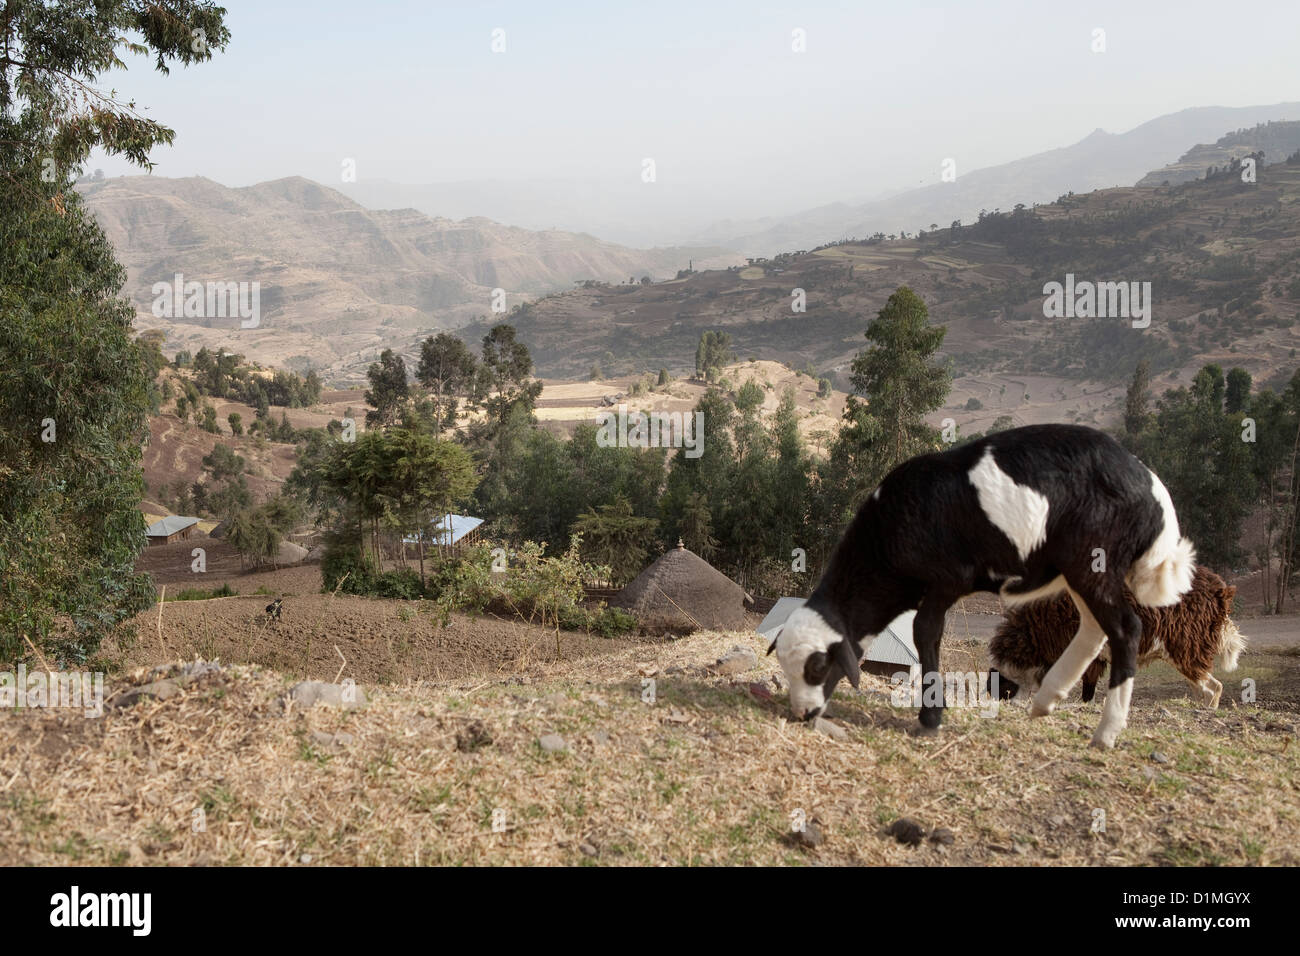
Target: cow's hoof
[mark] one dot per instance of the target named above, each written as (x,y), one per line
(1103,740)
(1039,708)
(920,730)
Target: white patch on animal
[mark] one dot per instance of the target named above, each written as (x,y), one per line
(1069,667)
(1210,689)
(1231,644)
(875,495)
(1156,652)
(1164,573)
(1018,511)
(804,634)
(1114,715)
(1050,589)
(1026,681)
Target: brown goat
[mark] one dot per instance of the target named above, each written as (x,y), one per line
(1188,634)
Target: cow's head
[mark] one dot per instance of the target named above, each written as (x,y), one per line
(814,656)
(1015,681)
(998,683)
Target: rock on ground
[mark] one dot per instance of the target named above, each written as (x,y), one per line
(834,731)
(907,831)
(736,661)
(810,837)
(552,743)
(158,690)
(326,739)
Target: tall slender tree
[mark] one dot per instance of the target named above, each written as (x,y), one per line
(447,369)
(504,376)
(74,393)
(389,389)
(1136,404)
(896,382)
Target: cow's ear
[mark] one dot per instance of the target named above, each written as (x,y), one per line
(775,637)
(848,659)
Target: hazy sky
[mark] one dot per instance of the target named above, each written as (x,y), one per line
(711,91)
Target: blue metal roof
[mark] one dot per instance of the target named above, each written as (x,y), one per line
(449,529)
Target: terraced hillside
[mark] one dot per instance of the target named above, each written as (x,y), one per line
(1223,258)
(338,282)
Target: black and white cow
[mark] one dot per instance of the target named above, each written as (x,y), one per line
(1027,513)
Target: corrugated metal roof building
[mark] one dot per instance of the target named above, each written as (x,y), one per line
(450,530)
(888,653)
(172,528)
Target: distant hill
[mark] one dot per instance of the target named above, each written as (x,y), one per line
(1277,141)
(1223,258)
(1098,161)
(337,281)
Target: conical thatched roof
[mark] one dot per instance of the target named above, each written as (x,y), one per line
(681,589)
(290,553)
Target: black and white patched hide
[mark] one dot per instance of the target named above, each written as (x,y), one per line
(815,657)
(1025,513)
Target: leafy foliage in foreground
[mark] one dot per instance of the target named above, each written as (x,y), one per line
(75,390)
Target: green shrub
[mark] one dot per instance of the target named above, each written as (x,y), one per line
(605,621)
(535,588)
(344,562)
(401,583)
(199,594)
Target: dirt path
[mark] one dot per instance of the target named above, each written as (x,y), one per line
(1278,630)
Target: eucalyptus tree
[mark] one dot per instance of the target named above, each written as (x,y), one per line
(75,392)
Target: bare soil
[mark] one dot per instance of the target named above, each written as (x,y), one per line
(371,640)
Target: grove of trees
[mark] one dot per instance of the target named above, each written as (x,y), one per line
(1226,455)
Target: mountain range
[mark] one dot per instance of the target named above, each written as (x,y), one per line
(1098,161)
(337,281)
(340,282)
(627,211)
(1276,140)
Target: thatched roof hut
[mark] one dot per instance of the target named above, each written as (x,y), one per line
(290,553)
(682,590)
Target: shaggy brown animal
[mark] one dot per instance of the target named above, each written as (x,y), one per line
(1188,634)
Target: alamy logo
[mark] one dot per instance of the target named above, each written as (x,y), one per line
(103,909)
(214,300)
(80,689)
(651,430)
(950,689)
(1101,300)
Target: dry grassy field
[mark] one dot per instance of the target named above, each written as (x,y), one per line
(709,773)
